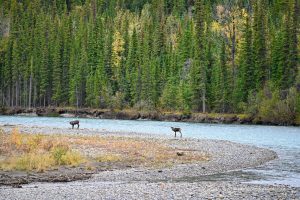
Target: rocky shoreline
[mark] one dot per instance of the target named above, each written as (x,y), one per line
(177,182)
(149,190)
(139,115)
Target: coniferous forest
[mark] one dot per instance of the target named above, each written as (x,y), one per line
(218,56)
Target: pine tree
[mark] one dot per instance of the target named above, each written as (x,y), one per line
(279,57)
(132,64)
(293,54)
(169,98)
(246,72)
(146,75)
(259,44)
(199,76)
(57,68)
(209,68)
(186,44)
(284,51)
(44,69)
(220,82)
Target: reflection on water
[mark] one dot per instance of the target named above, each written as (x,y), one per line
(284,140)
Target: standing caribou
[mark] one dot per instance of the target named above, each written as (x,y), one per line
(76,122)
(176,130)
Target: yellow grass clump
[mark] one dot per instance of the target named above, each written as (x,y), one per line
(108,158)
(27,152)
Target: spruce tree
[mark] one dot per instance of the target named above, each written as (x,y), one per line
(246,71)
(199,76)
(132,64)
(57,67)
(259,44)
(293,53)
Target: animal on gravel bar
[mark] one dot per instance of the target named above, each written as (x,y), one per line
(76,122)
(176,130)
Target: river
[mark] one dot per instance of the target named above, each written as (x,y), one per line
(284,140)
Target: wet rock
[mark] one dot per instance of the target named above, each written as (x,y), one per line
(17,186)
(28,114)
(67,115)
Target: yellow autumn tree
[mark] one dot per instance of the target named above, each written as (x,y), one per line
(117,50)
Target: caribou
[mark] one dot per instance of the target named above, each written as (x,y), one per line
(176,130)
(76,122)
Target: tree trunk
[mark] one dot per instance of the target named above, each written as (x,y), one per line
(233,49)
(44,100)
(77,100)
(25,92)
(35,95)
(203,100)
(10,99)
(68,2)
(16,94)
(30,88)
(94,10)
(1,97)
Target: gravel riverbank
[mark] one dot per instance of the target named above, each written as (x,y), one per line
(183,181)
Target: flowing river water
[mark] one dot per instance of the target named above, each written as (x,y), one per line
(285,141)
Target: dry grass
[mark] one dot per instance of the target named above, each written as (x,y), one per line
(135,151)
(41,152)
(35,152)
(108,158)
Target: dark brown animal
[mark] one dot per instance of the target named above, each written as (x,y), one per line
(76,122)
(176,130)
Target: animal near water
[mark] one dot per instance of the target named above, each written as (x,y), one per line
(176,130)
(76,122)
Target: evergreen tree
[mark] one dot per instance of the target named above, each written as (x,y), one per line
(57,68)
(259,43)
(293,54)
(246,72)
(199,76)
(132,64)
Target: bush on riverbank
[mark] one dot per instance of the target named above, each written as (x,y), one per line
(277,108)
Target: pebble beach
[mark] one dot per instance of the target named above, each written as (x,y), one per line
(185,181)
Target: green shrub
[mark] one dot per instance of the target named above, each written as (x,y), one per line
(58,152)
(72,158)
(278,110)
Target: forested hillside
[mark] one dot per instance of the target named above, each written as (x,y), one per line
(223,56)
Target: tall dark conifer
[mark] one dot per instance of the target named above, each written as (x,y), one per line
(199,76)
(259,44)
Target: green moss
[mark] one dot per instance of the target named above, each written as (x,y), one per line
(243,116)
(52,114)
